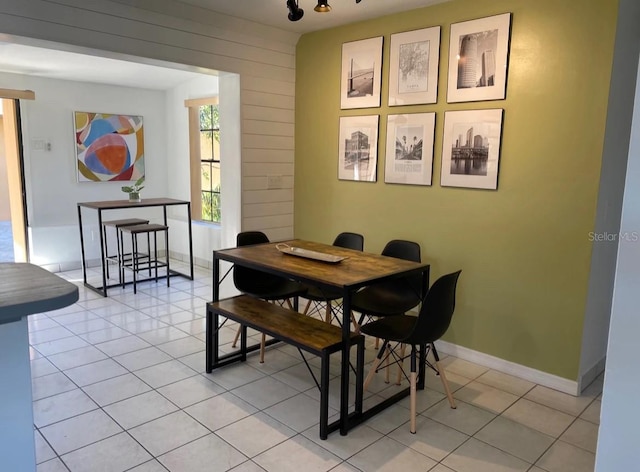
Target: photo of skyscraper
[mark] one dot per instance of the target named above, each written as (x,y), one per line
(470,150)
(477,60)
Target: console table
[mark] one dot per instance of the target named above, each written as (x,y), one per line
(25,289)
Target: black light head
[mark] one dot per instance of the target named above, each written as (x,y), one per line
(295,12)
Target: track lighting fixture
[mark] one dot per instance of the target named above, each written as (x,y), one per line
(322,6)
(295,12)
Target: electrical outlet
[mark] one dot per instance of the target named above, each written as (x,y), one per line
(274,182)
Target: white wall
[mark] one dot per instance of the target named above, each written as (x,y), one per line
(620,415)
(52,186)
(53,189)
(165,30)
(614,164)
(206,237)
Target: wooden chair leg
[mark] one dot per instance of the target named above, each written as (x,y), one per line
(445,384)
(327,314)
(387,364)
(262,345)
(235,339)
(412,389)
(306,308)
(403,349)
(443,376)
(412,400)
(376,363)
(374,367)
(356,325)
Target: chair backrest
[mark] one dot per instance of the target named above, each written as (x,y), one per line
(350,241)
(401,249)
(409,251)
(248,280)
(436,311)
(247,238)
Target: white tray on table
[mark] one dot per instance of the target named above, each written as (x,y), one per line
(309,254)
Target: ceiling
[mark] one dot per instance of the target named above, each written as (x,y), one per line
(274,12)
(92,67)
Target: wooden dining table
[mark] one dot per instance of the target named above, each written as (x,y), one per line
(355,270)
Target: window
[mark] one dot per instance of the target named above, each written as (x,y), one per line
(210,162)
(204,148)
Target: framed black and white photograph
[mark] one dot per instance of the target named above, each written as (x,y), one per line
(413,67)
(478,54)
(361,73)
(358,149)
(471,148)
(409,156)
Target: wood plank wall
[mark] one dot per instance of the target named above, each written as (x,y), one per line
(175,32)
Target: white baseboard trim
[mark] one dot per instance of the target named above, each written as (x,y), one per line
(590,375)
(511,368)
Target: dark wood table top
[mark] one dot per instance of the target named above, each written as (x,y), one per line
(26,289)
(119,204)
(358,269)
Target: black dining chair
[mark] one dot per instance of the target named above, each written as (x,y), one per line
(392,297)
(260,284)
(431,323)
(318,299)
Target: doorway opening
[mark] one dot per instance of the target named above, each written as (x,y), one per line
(13,215)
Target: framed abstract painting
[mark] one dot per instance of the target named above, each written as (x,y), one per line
(109,147)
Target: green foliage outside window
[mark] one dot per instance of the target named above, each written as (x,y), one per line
(210,162)
(211,205)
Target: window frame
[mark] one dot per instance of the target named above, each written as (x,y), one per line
(196,160)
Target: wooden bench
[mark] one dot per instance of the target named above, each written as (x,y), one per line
(289,326)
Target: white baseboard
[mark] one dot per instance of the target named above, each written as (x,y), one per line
(511,368)
(590,375)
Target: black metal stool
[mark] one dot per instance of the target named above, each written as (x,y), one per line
(140,261)
(120,255)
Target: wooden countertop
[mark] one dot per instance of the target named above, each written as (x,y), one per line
(26,289)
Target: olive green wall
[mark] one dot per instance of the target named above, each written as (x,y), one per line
(524,249)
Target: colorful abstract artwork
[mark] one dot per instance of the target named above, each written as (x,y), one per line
(109,147)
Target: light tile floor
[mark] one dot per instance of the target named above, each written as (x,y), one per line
(119,385)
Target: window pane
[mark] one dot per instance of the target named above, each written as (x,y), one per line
(215,175)
(206,145)
(216,145)
(209,134)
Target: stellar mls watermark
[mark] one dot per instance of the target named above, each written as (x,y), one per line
(626,236)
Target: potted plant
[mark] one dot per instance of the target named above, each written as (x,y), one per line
(134,190)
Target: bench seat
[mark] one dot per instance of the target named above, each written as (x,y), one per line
(289,326)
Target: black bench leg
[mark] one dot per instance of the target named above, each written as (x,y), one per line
(211,341)
(359,374)
(324,395)
(243,343)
